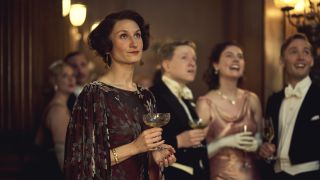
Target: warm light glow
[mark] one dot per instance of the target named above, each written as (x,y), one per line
(284,3)
(66,7)
(299,7)
(273,13)
(315,1)
(77,14)
(94,25)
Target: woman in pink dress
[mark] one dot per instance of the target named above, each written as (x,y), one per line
(233,115)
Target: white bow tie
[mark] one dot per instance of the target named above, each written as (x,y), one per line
(186,93)
(296,92)
(181,91)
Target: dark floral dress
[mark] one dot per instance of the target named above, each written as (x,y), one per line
(105,117)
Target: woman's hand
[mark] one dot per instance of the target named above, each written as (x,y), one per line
(148,140)
(164,157)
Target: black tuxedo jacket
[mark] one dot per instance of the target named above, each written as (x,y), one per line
(166,101)
(304,146)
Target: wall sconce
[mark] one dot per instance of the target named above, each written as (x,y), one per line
(77,14)
(305,16)
(66,7)
(94,25)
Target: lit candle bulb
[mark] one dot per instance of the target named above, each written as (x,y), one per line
(245,128)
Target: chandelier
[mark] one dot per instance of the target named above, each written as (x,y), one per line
(305,16)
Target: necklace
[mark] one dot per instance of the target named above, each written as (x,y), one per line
(232,101)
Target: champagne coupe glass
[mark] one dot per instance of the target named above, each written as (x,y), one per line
(156,120)
(268,133)
(197,124)
(246,164)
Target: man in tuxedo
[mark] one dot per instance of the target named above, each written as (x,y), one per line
(295,112)
(80,65)
(178,63)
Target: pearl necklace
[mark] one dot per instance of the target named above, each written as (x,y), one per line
(232,101)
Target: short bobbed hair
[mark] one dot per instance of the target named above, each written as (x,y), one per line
(99,39)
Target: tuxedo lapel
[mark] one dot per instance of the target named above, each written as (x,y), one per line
(172,102)
(191,107)
(305,106)
(304,112)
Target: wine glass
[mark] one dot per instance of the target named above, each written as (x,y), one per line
(197,124)
(156,120)
(246,164)
(268,133)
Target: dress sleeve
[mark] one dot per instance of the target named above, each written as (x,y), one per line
(87,141)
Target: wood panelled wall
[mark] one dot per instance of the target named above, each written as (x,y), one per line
(31,36)
(274,35)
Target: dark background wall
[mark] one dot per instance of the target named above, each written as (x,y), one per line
(33,34)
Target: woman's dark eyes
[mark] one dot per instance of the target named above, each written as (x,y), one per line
(138,35)
(123,36)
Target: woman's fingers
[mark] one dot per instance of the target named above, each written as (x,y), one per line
(156,138)
(166,162)
(160,164)
(164,157)
(153,130)
(172,159)
(155,146)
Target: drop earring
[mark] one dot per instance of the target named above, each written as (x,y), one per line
(55,87)
(108,59)
(141,62)
(216,71)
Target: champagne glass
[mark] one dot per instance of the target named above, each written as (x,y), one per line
(246,164)
(156,120)
(268,133)
(197,124)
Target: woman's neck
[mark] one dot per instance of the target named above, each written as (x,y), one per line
(61,97)
(120,76)
(228,87)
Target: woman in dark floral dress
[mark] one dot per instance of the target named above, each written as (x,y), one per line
(106,138)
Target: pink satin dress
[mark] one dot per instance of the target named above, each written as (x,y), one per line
(229,163)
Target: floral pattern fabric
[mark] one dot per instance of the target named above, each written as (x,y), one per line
(105,117)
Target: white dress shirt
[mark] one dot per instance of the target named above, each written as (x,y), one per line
(288,114)
(78,90)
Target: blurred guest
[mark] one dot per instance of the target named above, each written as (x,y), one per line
(296,116)
(107,138)
(142,80)
(179,67)
(233,114)
(80,64)
(52,132)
